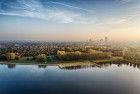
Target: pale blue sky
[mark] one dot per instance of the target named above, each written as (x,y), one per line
(69,19)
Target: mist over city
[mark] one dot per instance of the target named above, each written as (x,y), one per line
(69,46)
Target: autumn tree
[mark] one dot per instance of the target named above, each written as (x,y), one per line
(41,58)
(11,56)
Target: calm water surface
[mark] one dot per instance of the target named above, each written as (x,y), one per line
(31,79)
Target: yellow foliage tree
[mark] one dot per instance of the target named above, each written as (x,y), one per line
(61,53)
(11,56)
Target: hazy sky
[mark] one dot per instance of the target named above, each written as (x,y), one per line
(69,19)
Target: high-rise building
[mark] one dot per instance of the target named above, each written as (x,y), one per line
(106,39)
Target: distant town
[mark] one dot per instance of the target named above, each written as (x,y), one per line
(42,52)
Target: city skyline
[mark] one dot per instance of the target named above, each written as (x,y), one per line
(69,19)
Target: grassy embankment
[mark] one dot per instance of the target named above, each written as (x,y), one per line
(113,60)
(69,63)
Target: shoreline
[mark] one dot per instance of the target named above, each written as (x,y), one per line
(116,59)
(8,63)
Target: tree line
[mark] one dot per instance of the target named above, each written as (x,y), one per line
(77,55)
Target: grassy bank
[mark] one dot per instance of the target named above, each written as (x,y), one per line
(81,62)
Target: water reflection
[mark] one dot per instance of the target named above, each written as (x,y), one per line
(81,66)
(30,79)
(103,65)
(11,66)
(42,66)
(70,67)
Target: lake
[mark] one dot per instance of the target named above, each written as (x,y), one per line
(33,79)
